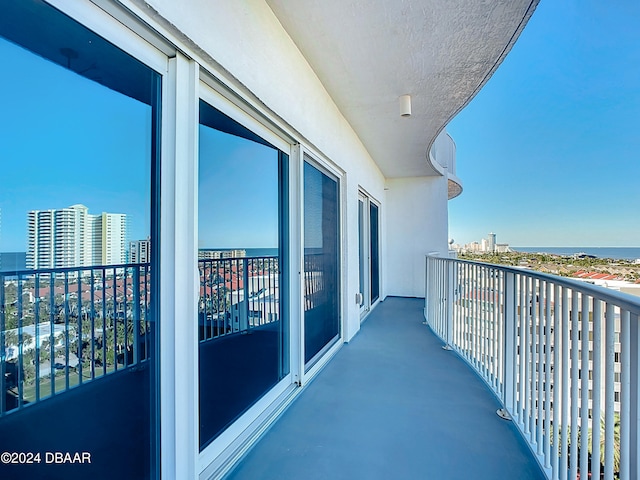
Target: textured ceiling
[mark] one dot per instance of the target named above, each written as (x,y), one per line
(369,52)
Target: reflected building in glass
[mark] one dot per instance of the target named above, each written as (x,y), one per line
(72,237)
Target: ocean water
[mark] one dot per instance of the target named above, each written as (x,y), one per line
(12,261)
(621,253)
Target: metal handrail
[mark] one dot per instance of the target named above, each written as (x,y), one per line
(562,357)
(64,327)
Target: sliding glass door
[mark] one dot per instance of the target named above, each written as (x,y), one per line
(321,262)
(243,328)
(374,251)
(80,211)
(369,252)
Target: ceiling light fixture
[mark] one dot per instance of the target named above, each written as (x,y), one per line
(405,106)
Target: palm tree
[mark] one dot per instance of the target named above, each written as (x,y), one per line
(616,441)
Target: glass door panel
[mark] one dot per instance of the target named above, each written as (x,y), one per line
(78,317)
(374,254)
(369,252)
(321,262)
(363,255)
(243,334)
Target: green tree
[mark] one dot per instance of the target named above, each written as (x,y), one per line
(616,441)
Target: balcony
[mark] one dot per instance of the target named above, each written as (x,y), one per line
(392,404)
(562,356)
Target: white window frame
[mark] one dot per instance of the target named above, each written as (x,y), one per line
(219,456)
(329,168)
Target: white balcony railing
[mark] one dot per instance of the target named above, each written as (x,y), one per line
(556,375)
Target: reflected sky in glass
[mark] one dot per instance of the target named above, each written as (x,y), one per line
(238,192)
(64,140)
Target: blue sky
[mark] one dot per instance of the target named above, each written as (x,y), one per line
(548,151)
(237,192)
(65,140)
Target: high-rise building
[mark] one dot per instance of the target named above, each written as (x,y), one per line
(113,244)
(140,251)
(72,237)
(491,246)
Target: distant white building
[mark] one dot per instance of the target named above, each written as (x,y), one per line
(491,242)
(140,251)
(113,241)
(218,254)
(502,248)
(72,237)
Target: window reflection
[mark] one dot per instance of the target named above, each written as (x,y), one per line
(243,335)
(76,325)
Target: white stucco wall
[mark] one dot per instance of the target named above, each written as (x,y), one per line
(256,54)
(244,44)
(246,39)
(416,224)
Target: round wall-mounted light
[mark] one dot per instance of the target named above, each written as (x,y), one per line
(405,105)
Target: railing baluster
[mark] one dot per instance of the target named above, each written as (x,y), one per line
(460,317)
(92,313)
(547,347)
(510,363)
(104,321)
(36,322)
(534,364)
(564,422)
(3,349)
(522,352)
(20,346)
(66,330)
(558,346)
(135,272)
(634,396)
(498,327)
(596,387)
(584,388)
(448,295)
(125,320)
(52,346)
(540,346)
(526,350)
(114,313)
(625,394)
(609,398)
(575,384)
(476,317)
(79,326)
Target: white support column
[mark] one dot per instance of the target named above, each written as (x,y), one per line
(509,359)
(179,280)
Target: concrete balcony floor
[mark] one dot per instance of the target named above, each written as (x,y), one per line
(392,405)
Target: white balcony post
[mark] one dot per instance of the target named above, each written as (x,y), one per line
(509,358)
(430,286)
(427,290)
(449,295)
